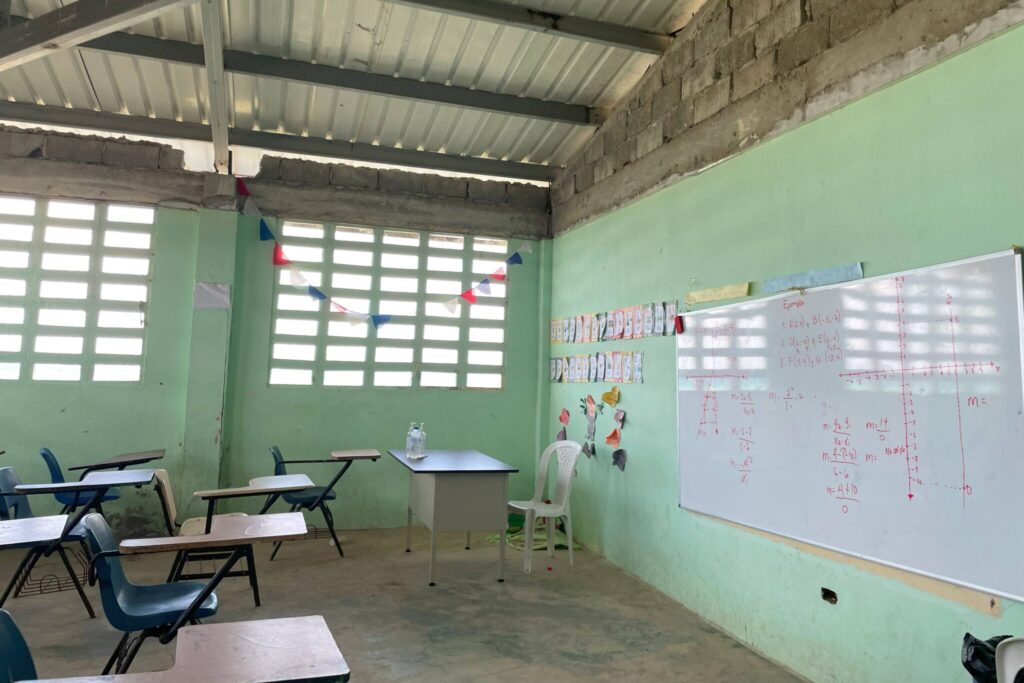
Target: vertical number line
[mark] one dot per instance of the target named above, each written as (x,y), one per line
(959,414)
(901,336)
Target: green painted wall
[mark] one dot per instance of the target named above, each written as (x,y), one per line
(307,422)
(84,421)
(926,171)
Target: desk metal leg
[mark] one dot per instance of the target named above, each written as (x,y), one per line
(74,579)
(501,556)
(73,520)
(33,553)
(408,530)
(190,611)
(433,554)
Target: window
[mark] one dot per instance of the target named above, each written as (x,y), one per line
(405,274)
(74,285)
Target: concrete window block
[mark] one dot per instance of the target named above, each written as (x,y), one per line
(737,53)
(69,148)
(305,172)
(171,159)
(584,179)
(754,76)
(444,186)
(20,143)
(533,196)
(700,76)
(680,120)
(604,168)
(487,191)
(677,59)
(711,100)
(356,177)
(562,189)
(594,148)
(131,154)
(401,182)
(625,154)
(667,99)
(650,139)
(779,24)
(802,45)
(746,13)
(270,168)
(713,28)
(637,120)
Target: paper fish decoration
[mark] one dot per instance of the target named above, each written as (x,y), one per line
(614,438)
(560,436)
(588,450)
(590,410)
(564,417)
(619,459)
(620,418)
(611,397)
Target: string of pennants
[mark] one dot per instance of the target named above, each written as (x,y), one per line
(296,278)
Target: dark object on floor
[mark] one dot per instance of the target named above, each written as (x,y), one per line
(979,657)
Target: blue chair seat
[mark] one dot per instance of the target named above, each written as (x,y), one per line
(152,606)
(307,497)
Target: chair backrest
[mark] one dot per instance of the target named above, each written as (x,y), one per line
(112,580)
(279,467)
(15,658)
(567,453)
(12,505)
(1009,659)
(163,489)
(56,473)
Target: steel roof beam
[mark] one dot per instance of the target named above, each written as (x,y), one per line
(561,25)
(216,85)
(164,128)
(74,24)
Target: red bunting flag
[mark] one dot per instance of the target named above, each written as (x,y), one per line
(241,188)
(279,258)
(469,295)
(498,275)
(337,308)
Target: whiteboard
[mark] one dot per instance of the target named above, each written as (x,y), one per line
(882,418)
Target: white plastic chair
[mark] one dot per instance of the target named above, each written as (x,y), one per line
(568,453)
(1009,659)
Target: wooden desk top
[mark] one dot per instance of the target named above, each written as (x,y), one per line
(451,462)
(261,486)
(92,482)
(123,460)
(225,531)
(358,454)
(32,530)
(264,651)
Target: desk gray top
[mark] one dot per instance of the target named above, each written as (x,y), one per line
(261,486)
(226,531)
(264,651)
(123,460)
(452,462)
(33,530)
(96,480)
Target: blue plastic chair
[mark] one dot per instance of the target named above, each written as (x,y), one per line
(150,610)
(15,658)
(71,500)
(15,506)
(309,499)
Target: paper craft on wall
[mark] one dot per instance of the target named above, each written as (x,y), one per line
(611,397)
(813,278)
(740,289)
(638,367)
(614,438)
(620,418)
(627,367)
(619,459)
(600,367)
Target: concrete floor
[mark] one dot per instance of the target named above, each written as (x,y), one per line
(590,622)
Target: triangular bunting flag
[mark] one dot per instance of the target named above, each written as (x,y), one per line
(514,259)
(525,248)
(469,296)
(279,259)
(250,208)
(265,234)
(296,277)
(452,304)
(379,320)
(338,308)
(241,188)
(484,287)
(316,293)
(498,275)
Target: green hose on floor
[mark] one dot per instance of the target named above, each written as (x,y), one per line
(516,536)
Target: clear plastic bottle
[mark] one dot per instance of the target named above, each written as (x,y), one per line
(416,441)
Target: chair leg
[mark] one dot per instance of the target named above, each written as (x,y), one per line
(99,508)
(117,653)
(568,535)
(131,651)
(250,564)
(180,568)
(23,579)
(277,546)
(467,540)
(174,566)
(74,579)
(528,547)
(552,527)
(329,518)
(16,579)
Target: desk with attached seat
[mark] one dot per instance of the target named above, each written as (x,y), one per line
(119,462)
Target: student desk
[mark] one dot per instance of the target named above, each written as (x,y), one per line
(272,487)
(237,533)
(36,533)
(265,651)
(96,483)
(119,462)
(457,491)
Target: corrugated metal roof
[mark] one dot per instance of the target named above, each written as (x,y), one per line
(365,35)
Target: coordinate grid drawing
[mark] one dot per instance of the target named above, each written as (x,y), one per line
(882,418)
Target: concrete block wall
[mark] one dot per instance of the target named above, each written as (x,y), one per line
(744,70)
(42,144)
